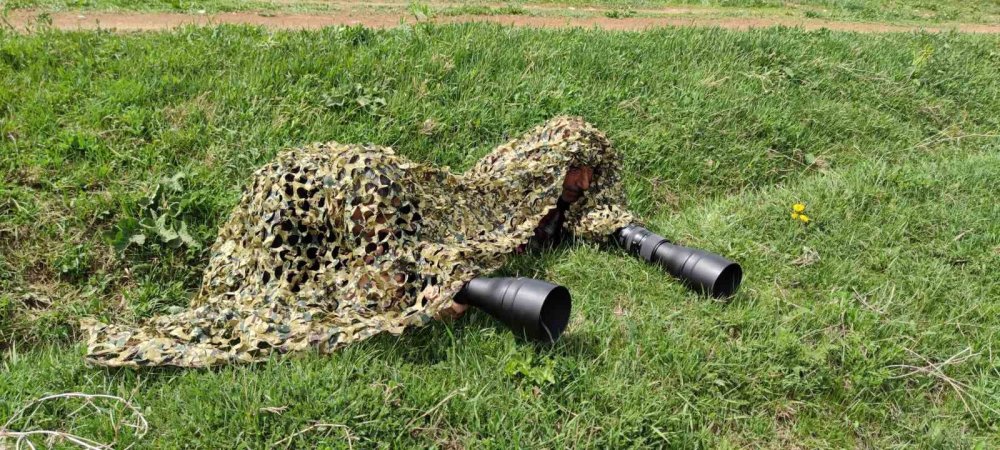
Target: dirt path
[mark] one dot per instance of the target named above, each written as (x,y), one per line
(127,21)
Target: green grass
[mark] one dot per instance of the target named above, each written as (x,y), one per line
(891,141)
(482,10)
(901,11)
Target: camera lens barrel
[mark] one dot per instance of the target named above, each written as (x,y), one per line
(704,271)
(535,309)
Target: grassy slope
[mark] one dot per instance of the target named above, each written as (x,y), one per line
(916,11)
(722,132)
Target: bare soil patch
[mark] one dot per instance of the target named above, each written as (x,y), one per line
(130,21)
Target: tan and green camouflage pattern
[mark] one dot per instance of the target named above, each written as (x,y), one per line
(333,243)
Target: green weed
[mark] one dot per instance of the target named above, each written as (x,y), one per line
(619,14)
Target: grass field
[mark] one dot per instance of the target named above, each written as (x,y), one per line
(899,11)
(873,326)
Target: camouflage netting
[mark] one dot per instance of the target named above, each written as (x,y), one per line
(334,243)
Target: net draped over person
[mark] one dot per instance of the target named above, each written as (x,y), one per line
(333,243)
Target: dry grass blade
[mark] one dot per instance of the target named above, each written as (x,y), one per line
(935,370)
(287,441)
(435,407)
(22,439)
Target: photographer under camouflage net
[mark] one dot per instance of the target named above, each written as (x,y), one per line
(334,243)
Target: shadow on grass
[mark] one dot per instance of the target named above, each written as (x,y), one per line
(581,345)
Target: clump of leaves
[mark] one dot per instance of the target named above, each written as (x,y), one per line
(919,63)
(6,306)
(158,220)
(358,35)
(355,99)
(619,14)
(420,11)
(541,371)
(483,10)
(74,263)
(76,145)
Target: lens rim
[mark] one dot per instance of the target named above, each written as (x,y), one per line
(728,281)
(554,315)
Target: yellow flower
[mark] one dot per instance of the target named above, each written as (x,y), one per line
(804,218)
(795,215)
(798,207)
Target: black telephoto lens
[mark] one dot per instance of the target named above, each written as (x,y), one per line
(531,308)
(704,271)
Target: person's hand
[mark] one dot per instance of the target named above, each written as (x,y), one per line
(452,312)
